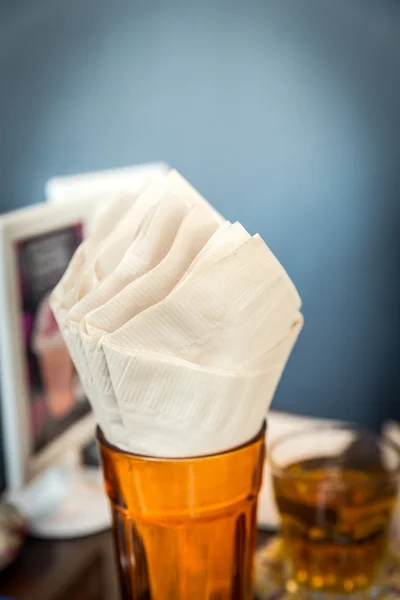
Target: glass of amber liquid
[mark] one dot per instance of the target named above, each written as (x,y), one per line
(335,489)
(184,528)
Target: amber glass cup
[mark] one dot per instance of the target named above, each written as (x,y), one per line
(336,489)
(184,528)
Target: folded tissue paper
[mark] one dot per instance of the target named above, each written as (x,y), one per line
(179,323)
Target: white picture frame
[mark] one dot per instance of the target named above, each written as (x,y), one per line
(103,184)
(21,464)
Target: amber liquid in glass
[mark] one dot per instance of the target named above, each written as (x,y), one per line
(335,522)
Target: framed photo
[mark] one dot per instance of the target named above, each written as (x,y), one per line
(44,409)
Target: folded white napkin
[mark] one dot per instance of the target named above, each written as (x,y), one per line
(142,292)
(176,408)
(221,315)
(65,294)
(179,324)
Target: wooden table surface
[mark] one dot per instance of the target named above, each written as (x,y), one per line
(66,570)
(81,569)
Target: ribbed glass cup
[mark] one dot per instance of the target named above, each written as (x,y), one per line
(184,528)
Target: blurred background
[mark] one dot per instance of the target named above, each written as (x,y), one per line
(285,115)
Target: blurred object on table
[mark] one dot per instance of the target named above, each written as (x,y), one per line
(269,568)
(90,454)
(279,424)
(391,430)
(12,531)
(336,489)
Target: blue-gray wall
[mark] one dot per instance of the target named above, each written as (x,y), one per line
(284,114)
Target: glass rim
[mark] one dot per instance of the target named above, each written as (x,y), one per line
(278,470)
(102,440)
